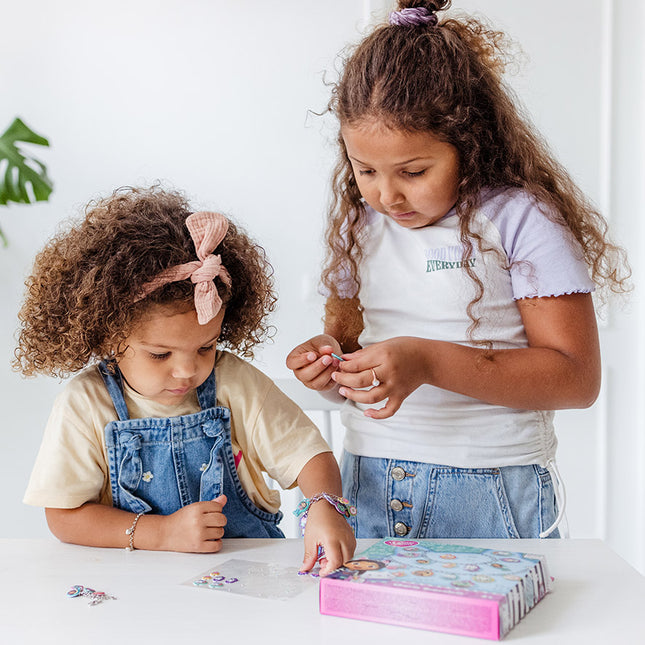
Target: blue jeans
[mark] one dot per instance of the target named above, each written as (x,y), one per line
(419,500)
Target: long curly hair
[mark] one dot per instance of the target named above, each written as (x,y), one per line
(80,298)
(446,79)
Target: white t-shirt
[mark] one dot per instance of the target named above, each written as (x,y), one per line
(270,431)
(413,284)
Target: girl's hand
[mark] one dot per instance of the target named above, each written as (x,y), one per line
(391,370)
(196,528)
(312,363)
(328,529)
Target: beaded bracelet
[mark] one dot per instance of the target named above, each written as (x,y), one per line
(341,504)
(131,531)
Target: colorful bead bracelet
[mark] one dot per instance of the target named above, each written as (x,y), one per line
(341,504)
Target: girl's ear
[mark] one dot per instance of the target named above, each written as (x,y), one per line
(121,351)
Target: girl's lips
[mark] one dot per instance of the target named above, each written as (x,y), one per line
(179,390)
(407,215)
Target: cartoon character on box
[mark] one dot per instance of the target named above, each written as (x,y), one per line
(363,568)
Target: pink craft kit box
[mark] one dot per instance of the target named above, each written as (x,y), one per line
(450,588)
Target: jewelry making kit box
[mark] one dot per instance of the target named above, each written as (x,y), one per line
(441,587)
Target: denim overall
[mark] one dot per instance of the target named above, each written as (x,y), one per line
(159,465)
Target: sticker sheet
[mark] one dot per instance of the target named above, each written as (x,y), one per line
(259,579)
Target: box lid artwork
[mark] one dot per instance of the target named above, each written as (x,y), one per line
(424,584)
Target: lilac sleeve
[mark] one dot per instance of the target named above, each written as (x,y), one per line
(545,258)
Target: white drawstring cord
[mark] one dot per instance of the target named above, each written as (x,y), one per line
(560,500)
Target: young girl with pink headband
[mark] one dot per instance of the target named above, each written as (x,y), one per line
(162,440)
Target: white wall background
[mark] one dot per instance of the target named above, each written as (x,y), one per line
(215,98)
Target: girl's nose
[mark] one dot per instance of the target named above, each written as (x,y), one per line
(390,194)
(184,368)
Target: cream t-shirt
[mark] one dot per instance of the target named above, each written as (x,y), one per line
(272,433)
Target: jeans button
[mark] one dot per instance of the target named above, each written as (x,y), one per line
(396,505)
(398,473)
(401,529)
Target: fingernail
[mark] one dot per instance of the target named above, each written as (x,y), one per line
(327,360)
(342,391)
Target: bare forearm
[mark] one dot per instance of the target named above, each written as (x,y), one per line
(195,528)
(104,526)
(529,378)
(320,475)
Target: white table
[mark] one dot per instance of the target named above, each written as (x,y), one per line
(597,598)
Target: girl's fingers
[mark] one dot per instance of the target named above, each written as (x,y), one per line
(306,354)
(216,520)
(332,559)
(386,411)
(315,376)
(213,533)
(347,551)
(300,358)
(358,381)
(310,558)
(354,363)
(357,389)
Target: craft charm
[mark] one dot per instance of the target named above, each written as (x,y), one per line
(95,597)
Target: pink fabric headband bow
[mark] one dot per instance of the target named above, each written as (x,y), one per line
(207,230)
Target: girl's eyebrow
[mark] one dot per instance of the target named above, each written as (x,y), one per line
(400,163)
(403,163)
(148,345)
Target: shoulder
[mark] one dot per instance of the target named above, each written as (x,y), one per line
(265,421)
(241,386)
(544,257)
(522,222)
(71,466)
(247,391)
(86,388)
(231,371)
(83,406)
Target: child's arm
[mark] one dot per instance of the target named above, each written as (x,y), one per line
(560,368)
(326,527)
(196,528)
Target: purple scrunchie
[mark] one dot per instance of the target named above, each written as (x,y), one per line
(413,17)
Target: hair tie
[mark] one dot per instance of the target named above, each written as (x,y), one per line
(207,231)
(413,17)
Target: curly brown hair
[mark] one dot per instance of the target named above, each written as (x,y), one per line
(446,79)
(80,298)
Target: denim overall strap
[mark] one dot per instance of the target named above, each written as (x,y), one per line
(114,382)
(207,392)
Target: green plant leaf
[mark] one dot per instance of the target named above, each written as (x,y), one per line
(23,179)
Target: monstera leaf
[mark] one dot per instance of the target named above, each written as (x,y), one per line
(23,179)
